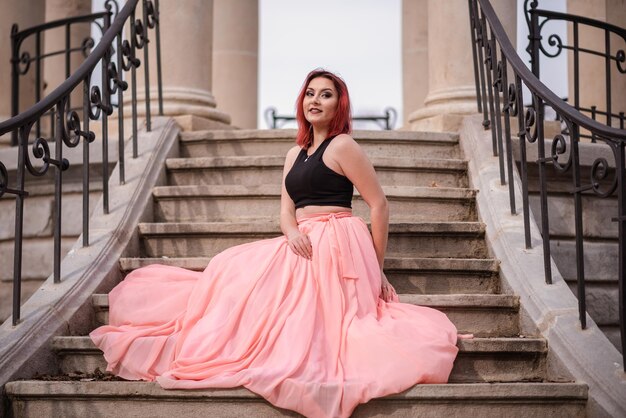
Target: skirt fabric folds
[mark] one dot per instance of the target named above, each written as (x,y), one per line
(307,335)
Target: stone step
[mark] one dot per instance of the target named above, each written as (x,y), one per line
(35,399)
(408,275)
(267,169)
(414,239)
(481,315)
(250,142)
(236,202)
(479,359)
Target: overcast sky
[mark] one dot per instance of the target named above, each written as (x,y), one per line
(358,39)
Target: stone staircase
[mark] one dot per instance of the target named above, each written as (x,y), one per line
(224,190)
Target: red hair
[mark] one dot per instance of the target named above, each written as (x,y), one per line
(341,123)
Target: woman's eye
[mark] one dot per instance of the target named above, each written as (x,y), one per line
(309,93)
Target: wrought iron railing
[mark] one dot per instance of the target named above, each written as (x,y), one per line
(386,121)
(500,100)
(22,60)
(71,129)
(611,55)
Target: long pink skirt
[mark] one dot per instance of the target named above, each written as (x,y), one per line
(308,335)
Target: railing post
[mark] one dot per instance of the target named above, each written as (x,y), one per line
(146,65)
(578,226)
(543,188)
(19,222)
(472,18)
(158,54)
(621,227)
(15,83)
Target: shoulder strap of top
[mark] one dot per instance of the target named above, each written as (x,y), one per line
(323,147)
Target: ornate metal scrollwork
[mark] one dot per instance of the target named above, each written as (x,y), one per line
(4,183)
(96,100)
(620,58)
(489,56)
(600,171)
(129,60)
(510,104)
(86,46)
(554,40)
(151,14)
(140,34)
(530,125)
(116,79)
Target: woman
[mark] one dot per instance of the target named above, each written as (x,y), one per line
(307,320)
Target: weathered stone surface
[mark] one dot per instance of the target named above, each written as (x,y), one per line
(278,142)
(428,239)
(600,259)
(597,215)
(602,302)
(39,213)
(479,360)
(28,287)
(37,257)
(481,315)
(231,203)
(136,399)
(256,170)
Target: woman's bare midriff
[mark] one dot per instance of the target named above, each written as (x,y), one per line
(309,210)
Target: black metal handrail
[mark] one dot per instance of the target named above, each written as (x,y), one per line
(70,129)
(386,121)
(499,100)
(537,20)
(21,61)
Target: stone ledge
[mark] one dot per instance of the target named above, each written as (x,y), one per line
(463,265)
(461,391)
(194,163)
(66,307)
(584,355)
(273,191)
(273,227)
(290,134)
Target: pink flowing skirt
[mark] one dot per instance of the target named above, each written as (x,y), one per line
(308,335)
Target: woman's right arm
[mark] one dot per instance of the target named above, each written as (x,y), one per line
(298,242)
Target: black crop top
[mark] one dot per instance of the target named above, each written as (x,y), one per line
(311,182)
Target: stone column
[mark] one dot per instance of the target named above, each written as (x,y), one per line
(25,13)
(187,53)
(54,72)
(591,68)
(451,89)
(414,55)
(235,59)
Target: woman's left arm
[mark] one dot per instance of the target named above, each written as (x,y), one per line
(357,167)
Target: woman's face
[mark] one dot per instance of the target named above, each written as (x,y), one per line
(320,102)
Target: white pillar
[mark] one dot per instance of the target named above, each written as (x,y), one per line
(187,53)
(54,71)
(451,89)
(25,13)
(235,59)
(414,55)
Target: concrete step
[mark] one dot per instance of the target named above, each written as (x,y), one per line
(479,359)
(408,275)
(267,169)
(414,239)
(235,202)
(481,315)
(277,142)
(37,399)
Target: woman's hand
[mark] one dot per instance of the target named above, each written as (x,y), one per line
(387,292)
(300,244)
